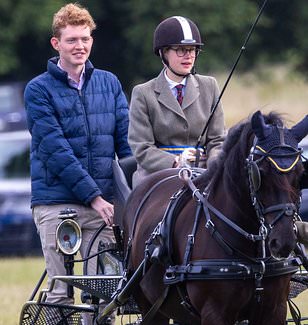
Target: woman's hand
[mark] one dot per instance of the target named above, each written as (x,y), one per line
(188,156)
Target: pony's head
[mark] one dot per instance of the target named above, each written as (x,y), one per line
(274,171)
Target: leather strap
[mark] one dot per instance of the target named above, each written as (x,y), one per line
(147,319)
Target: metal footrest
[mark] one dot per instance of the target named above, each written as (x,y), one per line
(130,308)
(53,314)
(101,286)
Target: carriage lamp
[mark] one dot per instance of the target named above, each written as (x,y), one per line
(68,241)
(68,233)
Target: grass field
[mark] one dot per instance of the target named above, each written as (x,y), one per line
(266,89)
(18,278)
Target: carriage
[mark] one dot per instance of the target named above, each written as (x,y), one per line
(239,249)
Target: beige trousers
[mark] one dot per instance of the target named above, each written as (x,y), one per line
(46,220)
(302,235)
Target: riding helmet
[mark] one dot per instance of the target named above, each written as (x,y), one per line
(176,30)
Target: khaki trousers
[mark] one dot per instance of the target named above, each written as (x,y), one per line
(46,220)
(302,235)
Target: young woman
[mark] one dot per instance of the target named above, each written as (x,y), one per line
(169,112)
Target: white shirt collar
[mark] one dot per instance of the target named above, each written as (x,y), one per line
(71,81)
(172,83)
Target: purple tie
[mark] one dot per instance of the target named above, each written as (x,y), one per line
(179,96)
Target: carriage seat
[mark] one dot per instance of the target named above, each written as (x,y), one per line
(123,170)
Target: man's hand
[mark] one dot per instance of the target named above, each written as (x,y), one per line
(104,208)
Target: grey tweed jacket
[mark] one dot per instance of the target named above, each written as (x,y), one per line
(157,119)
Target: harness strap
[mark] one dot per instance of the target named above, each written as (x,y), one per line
(177,201)
(230,223)
(185,174)
(191,237)
(287,209)
(186,301)
(258,304)
(217,236)
(146,196)
(231,269)
(218,214)
(147,319)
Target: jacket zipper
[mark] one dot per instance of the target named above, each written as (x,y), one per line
(87,130)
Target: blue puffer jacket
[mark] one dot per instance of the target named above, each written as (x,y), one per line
(75,135)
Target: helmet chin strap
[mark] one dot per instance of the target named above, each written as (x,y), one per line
(166,63)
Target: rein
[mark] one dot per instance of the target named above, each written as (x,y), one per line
(185,175)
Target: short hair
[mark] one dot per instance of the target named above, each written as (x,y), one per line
(71,14)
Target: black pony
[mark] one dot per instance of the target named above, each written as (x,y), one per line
(219,250)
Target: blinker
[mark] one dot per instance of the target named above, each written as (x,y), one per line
(282,166)
(255,175)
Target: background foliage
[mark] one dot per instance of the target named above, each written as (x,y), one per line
(123,40)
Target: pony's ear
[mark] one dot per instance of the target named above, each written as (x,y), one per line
(300,130)
(259,127)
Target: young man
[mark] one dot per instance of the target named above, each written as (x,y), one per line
(169,112)
(78,118)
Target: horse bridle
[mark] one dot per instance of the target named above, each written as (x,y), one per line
(254,178)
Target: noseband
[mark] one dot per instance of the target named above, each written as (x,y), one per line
(254,177)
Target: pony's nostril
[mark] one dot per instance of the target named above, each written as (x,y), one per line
(278,249)
(274,245)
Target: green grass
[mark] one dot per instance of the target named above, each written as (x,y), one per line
(18,277)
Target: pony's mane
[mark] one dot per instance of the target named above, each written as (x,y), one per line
(234,151)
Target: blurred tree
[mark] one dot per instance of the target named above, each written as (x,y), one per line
(110,45)
(299,26)
(24,27)
(222,25)
(123,39)
(276,34)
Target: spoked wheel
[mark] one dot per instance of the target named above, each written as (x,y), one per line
(91,243)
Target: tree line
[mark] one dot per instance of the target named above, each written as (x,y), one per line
(123,39)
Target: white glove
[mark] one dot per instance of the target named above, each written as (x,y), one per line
(188,156)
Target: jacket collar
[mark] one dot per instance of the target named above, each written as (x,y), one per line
(60,74)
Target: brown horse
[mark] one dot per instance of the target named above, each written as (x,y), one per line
(227,234)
